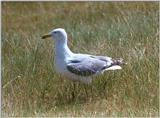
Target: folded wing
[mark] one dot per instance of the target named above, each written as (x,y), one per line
(87,66)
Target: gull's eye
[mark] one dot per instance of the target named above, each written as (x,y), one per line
(55,32)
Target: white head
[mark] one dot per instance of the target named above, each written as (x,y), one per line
(58,34)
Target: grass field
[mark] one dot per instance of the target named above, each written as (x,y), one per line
(30,86)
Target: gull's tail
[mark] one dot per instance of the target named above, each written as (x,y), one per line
(115,65)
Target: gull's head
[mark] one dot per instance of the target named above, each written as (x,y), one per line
(58,34)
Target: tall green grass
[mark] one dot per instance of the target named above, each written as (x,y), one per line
(30,85)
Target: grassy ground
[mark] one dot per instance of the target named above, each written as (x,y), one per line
(30,86)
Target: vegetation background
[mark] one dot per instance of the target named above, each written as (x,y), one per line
(30,86)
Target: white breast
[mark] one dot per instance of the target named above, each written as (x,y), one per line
(60,65)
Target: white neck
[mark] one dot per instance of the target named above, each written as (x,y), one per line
(61,49)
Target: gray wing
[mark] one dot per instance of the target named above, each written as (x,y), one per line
(103,58)
(110,62)
(86,66)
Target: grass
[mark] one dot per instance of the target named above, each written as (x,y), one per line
(30,85)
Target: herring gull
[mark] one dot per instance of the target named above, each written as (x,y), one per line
(75,66)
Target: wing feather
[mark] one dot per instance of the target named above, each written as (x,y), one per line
(86,67)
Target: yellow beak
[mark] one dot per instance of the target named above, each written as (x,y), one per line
(46,36)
